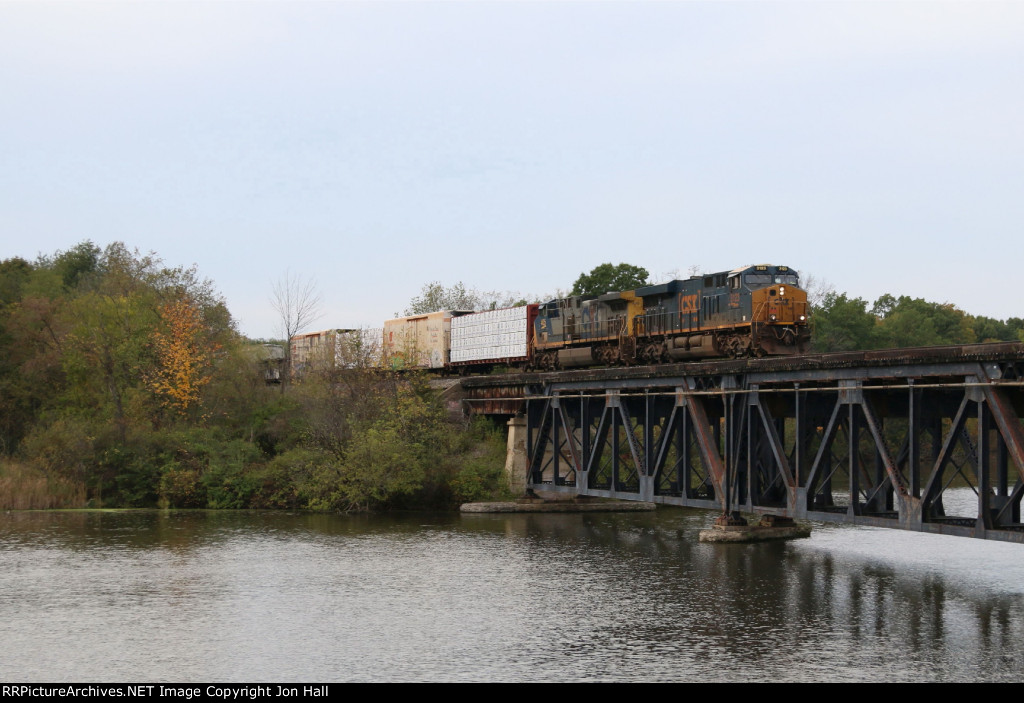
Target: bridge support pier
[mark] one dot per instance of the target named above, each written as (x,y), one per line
(515,455)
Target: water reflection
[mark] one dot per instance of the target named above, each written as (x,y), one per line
(192,596)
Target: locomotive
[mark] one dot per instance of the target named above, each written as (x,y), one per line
(749,311)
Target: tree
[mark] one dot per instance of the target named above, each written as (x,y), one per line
(842,324)
(75,264)
(184,356)
(14,273)
(434,297)
(297,302)
(606,278)
(915,322)
(817,289)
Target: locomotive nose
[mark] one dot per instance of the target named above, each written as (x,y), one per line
(786,305)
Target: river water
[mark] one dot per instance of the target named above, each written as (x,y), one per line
(196,596)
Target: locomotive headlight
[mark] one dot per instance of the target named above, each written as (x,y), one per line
(772,318)
(782,291)
(803,317)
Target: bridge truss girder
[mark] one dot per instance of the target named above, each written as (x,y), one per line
(896,446)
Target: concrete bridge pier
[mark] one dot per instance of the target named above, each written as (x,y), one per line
(515,455)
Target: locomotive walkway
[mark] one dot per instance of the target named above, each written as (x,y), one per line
(927,439)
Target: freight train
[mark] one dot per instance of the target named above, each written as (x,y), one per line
(750,311)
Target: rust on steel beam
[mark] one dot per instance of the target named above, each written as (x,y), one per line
(705,440)
(1008,423)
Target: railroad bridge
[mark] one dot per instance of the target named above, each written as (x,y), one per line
(926,439)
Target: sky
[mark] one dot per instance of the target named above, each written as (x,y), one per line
(375,147)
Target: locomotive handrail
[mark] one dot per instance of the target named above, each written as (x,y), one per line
(604,328)
(661,323)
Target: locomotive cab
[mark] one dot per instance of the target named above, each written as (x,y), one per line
(778,309)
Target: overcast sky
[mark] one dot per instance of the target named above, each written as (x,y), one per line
(377,146)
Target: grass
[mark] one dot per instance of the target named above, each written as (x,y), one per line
(23,487)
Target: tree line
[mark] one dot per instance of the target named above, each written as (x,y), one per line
(842,323)
(125,383)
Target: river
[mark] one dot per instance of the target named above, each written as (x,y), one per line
(204,596)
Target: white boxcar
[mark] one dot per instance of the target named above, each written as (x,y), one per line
(493,336)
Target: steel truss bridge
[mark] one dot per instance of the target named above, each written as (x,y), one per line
(926,439)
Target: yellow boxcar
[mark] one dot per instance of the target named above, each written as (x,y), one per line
(418,341)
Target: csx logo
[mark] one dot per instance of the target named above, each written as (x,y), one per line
(687,303)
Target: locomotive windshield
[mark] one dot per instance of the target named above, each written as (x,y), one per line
(767,279)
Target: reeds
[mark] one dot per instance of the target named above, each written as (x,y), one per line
(23,487)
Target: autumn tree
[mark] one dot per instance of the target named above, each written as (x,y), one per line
(93,341)
(183,356)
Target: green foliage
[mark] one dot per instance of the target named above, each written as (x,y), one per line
(201,467)
(76,264)
(63,447)
(287,480)
(14,274)
(842,324)
(480,474)
(85,333)
(434,296)
(607,277)
(181,487)
(914,322)
(988,330)
(383,436)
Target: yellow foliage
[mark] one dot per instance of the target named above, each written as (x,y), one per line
(183,356)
